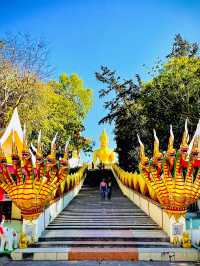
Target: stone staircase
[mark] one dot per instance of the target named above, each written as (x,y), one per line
(90,221)
(90,228)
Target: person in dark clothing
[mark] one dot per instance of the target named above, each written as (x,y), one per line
(109,188)
(103,188)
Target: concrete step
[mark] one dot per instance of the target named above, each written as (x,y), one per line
(99,223)
(102,209)
(140,219)
(104,243)
(114,222)
(102,223)
(107,253)
(101,217)
(103,213)
(113,235)
(100,227)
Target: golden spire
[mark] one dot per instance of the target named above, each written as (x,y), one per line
(104,137)
(185,138)
(156,145)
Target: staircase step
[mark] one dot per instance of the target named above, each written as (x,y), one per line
(122,235)
(108,253)
(105,214)
(95,243)
(99,222)
(109,227)
(91,227)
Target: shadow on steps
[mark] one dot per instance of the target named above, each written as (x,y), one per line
(95,176)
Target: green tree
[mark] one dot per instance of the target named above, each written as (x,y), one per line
(182,48)
(74,101)
(171,96)
(52,106)
(23,64)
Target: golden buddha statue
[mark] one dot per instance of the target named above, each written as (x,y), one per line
(104,154)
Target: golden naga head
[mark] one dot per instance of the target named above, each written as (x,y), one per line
(103,139)
(2,155)
(52,155)
(185,139)
(51,158)
(144,161)
(170,150)
(15,154)
(26,155)
(195,148)
(64,160)
(39,145)
(39,155)
(157,155)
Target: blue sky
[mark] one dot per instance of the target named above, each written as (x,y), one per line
(85,34)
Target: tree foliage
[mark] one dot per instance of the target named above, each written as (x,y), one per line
(50,105)
(171,96)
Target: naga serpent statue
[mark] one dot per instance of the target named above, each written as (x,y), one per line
(172,178)
(31,189)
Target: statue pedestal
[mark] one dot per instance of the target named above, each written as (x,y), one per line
(31,228)
(174,227)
